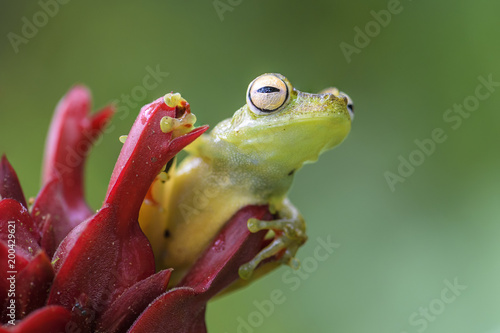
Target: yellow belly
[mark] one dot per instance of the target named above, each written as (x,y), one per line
(186,212)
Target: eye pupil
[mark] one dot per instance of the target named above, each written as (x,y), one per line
(268,90)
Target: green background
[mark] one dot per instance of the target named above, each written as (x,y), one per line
(396,247)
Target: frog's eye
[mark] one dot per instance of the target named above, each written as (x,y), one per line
(349,104)
(267,93)
(348,101)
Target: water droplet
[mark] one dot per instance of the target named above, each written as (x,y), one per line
(219,245)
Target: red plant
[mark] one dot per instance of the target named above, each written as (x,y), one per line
(64,268)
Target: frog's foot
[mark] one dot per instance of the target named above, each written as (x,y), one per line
(292,236)
(181,124)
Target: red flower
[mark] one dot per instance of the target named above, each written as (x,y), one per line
(65,269)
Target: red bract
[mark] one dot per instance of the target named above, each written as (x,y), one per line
(101,277)
(9,183)
(216,269)
(60,205)
(108,253)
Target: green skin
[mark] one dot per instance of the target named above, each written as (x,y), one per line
(248,159)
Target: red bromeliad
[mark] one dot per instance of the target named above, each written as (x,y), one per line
(64,268)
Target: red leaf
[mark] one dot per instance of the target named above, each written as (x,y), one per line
(33,284)
(182,309)
(18,245)
(145,152)
(9,183)
(125,309)
(96,262)
(52,216)
(71,135)
(108,253)
(50,319)
(6,277)
(61,205)
(21,232)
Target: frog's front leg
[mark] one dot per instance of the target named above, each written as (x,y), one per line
(291,234)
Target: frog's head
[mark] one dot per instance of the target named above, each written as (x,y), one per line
(282,125)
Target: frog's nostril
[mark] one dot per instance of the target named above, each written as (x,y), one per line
(333,93)
(350,107)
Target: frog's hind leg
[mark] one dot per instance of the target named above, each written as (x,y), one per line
(292,235)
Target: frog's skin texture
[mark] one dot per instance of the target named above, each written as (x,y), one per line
(248,159)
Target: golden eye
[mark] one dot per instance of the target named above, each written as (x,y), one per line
(267,93)
(349,104)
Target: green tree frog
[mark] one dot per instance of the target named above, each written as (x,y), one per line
(248,159)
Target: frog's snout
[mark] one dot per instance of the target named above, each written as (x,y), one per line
(339,94)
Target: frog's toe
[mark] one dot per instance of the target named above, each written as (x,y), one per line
(289,256)
(280,243)
(293,229)
(290,235)
(245,271)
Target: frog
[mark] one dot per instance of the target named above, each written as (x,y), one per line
(249,159)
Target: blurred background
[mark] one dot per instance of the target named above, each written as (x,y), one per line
(411,198)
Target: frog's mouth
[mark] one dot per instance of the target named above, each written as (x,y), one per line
(320,132)
(292,143)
